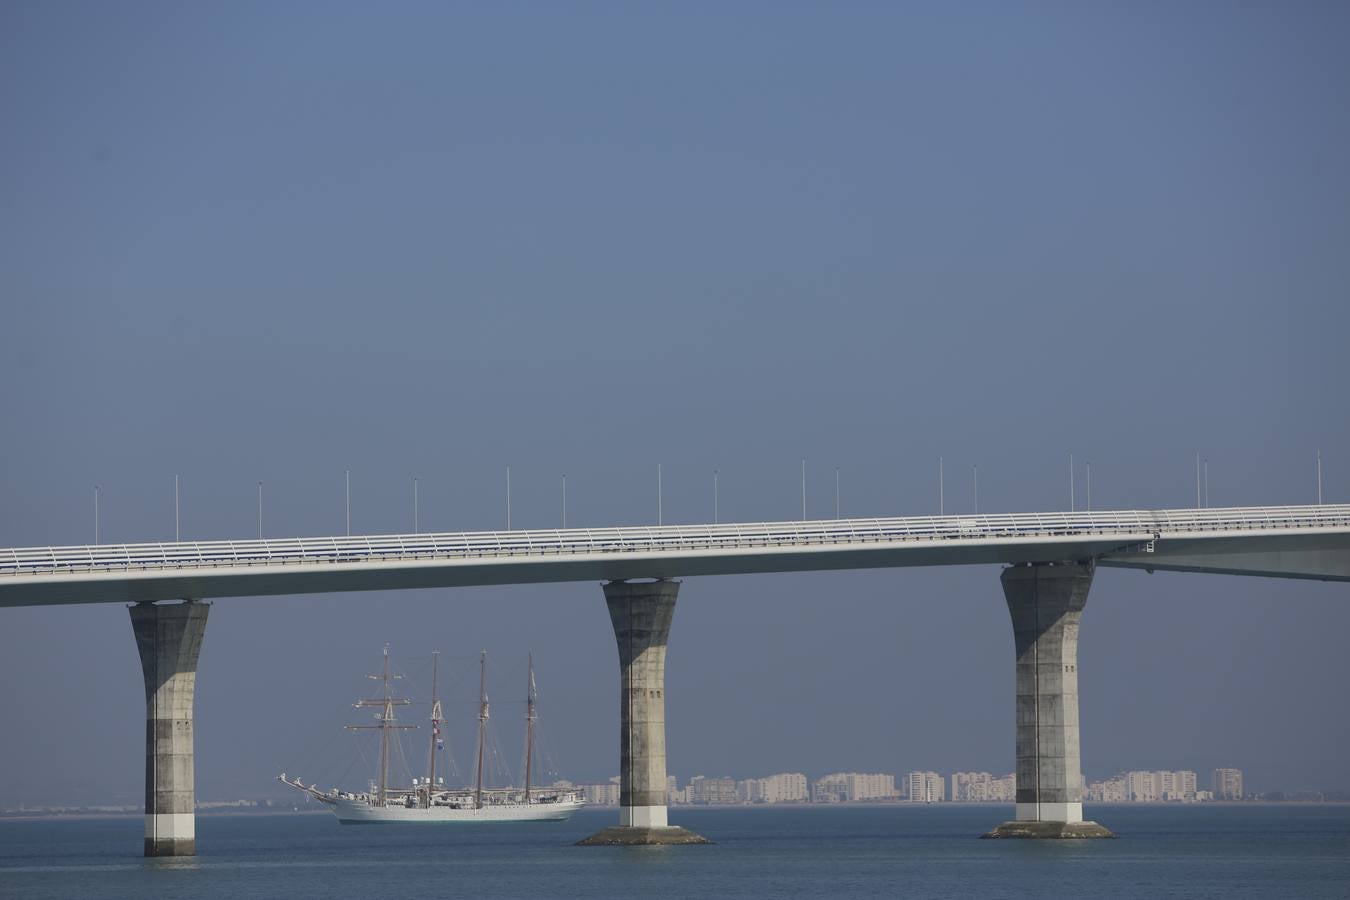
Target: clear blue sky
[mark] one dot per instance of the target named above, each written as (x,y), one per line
(244,242)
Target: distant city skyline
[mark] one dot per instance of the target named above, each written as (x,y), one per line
(1135,786)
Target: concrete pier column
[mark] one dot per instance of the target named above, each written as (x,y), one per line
(169,637)
(641,614)
(1046,602)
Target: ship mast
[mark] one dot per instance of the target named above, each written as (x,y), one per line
(529,728)
(386,719)
(482,728)
(435,728)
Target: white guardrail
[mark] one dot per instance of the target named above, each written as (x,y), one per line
(647,539)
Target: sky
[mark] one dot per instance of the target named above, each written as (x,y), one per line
(252,242)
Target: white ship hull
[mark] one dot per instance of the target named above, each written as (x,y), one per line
(386,804)
(353,811)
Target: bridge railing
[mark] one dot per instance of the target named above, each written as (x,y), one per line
(506,545)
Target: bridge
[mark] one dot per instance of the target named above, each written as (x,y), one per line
(1050,559)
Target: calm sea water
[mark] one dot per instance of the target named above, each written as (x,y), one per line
(1228,852)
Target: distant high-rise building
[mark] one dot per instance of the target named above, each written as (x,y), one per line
(981,787)
(673,793)
(926,787)
(826,790)
(1178,785)
(1145,787)
(602,794)
(711,790)
(1141,787)
(1001,790)
(1227,784)
(852,787)
(963,782)
(1112,790)
(786,787)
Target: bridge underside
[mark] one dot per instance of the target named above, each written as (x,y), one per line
(262,580)
(1316,557)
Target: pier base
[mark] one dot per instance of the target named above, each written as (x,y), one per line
(641,613)
(169,637)
(1049,830)
(621,835)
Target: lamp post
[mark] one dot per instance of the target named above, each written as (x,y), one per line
(1319,477)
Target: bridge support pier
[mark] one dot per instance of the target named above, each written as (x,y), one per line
(1046,602)
(641,613)
(169,637)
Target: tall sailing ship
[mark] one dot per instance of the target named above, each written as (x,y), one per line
(428,800)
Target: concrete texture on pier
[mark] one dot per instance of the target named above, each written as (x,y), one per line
(169,638)
(1046,603)
(641,613)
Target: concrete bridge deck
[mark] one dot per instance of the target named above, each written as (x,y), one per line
(1283,541)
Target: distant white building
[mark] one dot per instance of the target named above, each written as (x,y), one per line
(962,782)
(1176,786)
(1111,790)
(1146,787)
(926,787)
(711,790)
(1141,787)
(602,794)
(982,787)
(1226,784)
(785,787)
(850,787)
(674,794)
